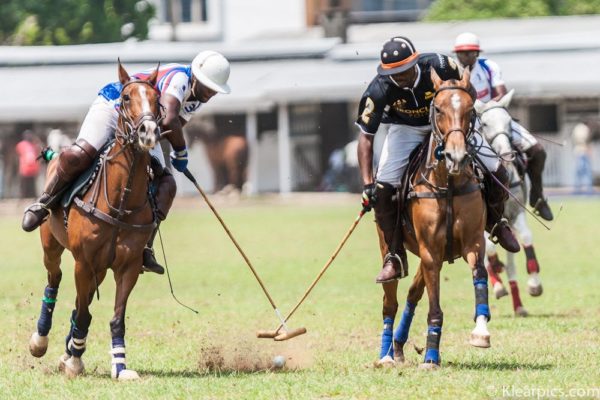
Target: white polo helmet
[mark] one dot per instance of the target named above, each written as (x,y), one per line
(212,70)
(467,41)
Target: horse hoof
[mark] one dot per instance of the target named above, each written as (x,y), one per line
(385,362)
(128,375)
(399,358)
(74,367)
(61,362)
(429,366)
(499,290)
(535,291)
(521,312)
(481,341)
(38,345)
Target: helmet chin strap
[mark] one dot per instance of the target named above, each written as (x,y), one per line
(194,85)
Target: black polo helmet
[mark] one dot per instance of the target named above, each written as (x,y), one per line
(397,55)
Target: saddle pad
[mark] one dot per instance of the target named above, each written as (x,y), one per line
(86,178)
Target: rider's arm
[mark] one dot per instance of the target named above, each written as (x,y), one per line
(498,92)
(172,122)
(370,112)
(365,157)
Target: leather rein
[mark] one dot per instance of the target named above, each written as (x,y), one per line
(126,135)
(439,192)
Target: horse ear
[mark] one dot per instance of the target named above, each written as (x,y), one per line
(154,75)
(123,75)
(435,78)
(479,106)
(506,99)
(466,76)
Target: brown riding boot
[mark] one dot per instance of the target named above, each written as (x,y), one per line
(496,225)
(71,163)
(37,212)
(395,263)
(536,159)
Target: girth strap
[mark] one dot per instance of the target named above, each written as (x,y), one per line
(465,189)
(90,209)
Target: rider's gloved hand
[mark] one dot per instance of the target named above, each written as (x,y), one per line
(369,197)
(179,159)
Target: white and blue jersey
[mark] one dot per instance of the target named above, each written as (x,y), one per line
(173,79)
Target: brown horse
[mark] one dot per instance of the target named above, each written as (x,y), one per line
(445,220)
(108,226)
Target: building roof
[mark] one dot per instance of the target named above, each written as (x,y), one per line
(538,57)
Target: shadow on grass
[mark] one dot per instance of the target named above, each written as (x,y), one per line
(498,365)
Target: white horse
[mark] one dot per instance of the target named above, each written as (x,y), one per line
(495,126)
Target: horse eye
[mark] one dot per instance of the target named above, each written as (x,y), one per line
(437,109)
(125,97)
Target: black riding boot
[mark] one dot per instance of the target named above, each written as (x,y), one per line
(149,260)
(395,263)
(496,225)
(536,159)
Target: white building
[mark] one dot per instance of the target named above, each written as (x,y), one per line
(295,92)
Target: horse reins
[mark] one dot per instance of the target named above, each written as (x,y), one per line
(450,191)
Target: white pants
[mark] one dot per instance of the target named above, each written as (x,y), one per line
(520,137)
(100,124)
(401,140)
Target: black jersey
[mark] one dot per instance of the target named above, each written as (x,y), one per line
(384,101)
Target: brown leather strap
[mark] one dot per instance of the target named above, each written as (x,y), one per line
(91,210)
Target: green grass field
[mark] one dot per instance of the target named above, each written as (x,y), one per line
(557,347)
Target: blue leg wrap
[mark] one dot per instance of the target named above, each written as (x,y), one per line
(387,348)
(48,302)
(401,334)
(432,355)
(75,341)
(481,298)
(118,359)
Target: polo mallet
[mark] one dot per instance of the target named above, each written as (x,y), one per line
(275,334)
(288,334)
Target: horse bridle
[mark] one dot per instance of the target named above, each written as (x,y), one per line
(129,132)
(440,136)
(493,138)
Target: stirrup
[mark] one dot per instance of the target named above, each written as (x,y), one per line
(493,237)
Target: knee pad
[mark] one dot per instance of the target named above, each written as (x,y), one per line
(75,160)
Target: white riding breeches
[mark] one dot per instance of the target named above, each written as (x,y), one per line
(401,140)
(100,124)
(520,137)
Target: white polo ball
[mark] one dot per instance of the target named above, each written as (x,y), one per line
(278,361)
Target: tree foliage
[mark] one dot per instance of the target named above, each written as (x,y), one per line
(449,10)
(59,22)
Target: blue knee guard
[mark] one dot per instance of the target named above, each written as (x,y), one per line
(75,341)
(401,334)
(481,298)
(118,356)
(48,302)
(387,348)
(432,355)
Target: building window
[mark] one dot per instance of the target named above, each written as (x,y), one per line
(187,11)
(543,118)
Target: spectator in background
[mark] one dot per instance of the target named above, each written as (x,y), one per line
(57,140)
(28,150)
(581,137)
